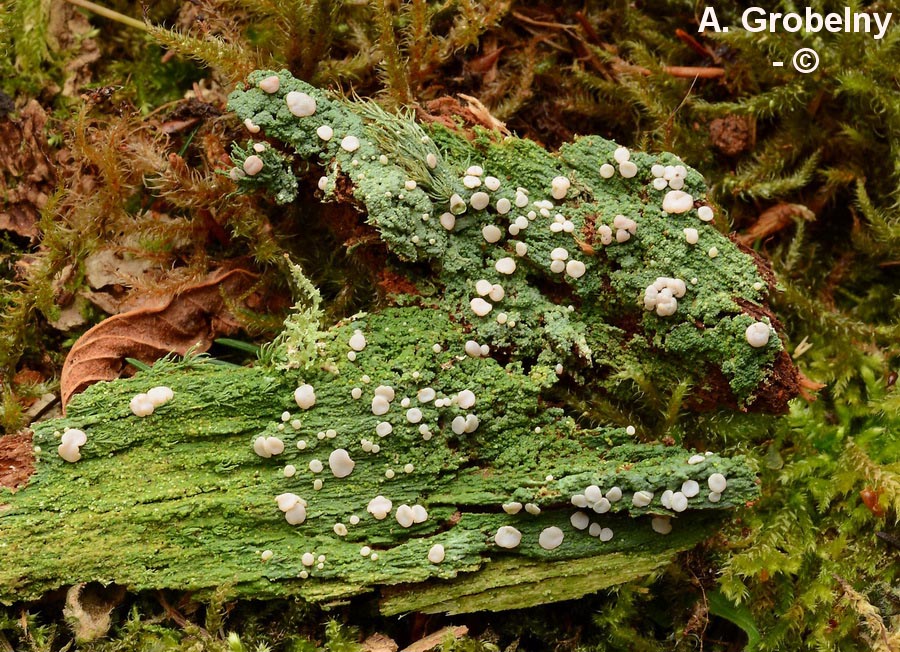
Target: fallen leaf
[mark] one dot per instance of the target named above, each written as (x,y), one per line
(69,33)
(379,643)
(110,267)
(27,176)
(193,317)
(774,219)
(484,115)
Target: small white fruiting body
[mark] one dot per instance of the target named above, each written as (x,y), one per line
(480,200)
(492,183)
(448,221)
(532,509)
(714,497)
(414,415)
(621,154)
(713,252)
(466,399)
(505,265)
(287,501)
(266,555)
(602,506)
(580,520)
(457,204)
(480,307)
(420,515)
(496,294)
(74,437)
(491,233)
(471,182)
(325,132)
(705,213)
(614,495)
(357,341)
(679,501)
(606,534)
(551,538)
(69,452)
(641,498)
(690,488)
(305,396)
(379,507)
(717,483)
(404,516)
(380,405)
(141,405)
(559,187)
(350,143)
(607,171)
(512,508)
(475,170)
(300,104)
(507,537)
(663,295)
(758,334)
(661,524)
(160,395)
(340,463)
(270,84)
(436,554)
(628,170)
(575,268)
(316,466)
(386,391)
(666,498)
(431,160)
(696,459)
(691,236)
(473,349)
(677,201)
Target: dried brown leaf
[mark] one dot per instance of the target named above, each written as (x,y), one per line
(27,176)
(774,219)
(176,323)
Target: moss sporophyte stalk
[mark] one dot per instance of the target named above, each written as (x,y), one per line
(416,443)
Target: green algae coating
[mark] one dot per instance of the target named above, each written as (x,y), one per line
(179,499)
(607,331)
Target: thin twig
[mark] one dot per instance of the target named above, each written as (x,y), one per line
(109,13)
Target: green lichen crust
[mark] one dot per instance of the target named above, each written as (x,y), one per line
(179,498)
(577,240)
